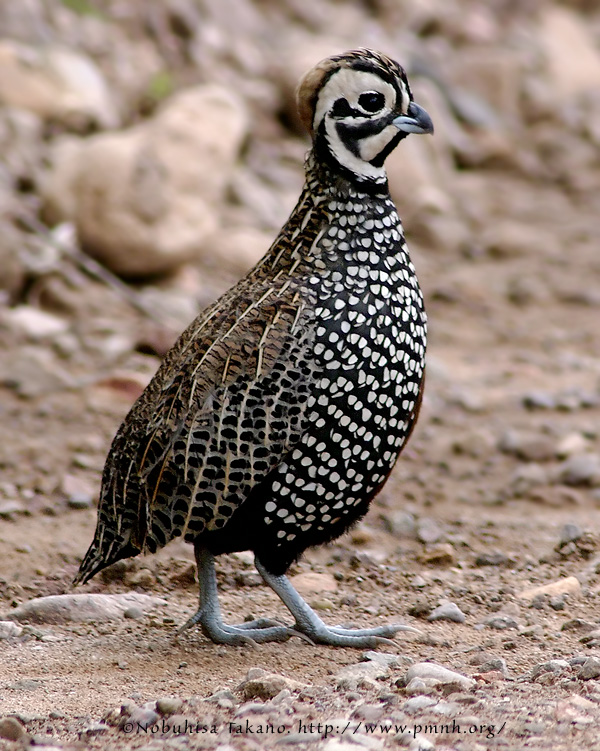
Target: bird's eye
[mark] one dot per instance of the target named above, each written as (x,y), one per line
(371,101)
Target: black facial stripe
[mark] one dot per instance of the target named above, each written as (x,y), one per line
(342,108)
(387,150)
(352,135)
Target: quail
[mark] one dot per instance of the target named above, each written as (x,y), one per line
(280,412)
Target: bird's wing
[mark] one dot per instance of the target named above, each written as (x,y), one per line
(224,408)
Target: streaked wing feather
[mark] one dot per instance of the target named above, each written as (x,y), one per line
(222,422)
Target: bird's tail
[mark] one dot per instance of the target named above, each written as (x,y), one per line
(102,553)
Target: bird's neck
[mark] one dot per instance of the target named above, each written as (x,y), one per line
(330,177)
(328,200)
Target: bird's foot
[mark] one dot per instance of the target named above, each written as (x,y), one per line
(250,632)
(309,623)
(361,638)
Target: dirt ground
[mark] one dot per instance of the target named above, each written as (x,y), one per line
(498,491)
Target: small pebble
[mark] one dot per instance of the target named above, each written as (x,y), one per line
(539,400)
(143,578)
(421,744)
(573,443)
(570,533)
(76,501)
(579,624)
(590,669)
(418,704)
(551,666)
(384,658)
(282,696)
(528,447)
(169,705)
(569,585)
(527,477)
(220,696)
(133,613)
(446,708)
(8,509)
(495,558)
(98,728)
(592,639)
(497,663)
(79,492)
(9,629)
(577,660)
(418,687)
(262,685)
(439,555)
(141,716)
(447,612)
(580,470)
(501,621)
(368,712)
(252,707)
(428,531)
(401,524)
(420,609)
(11,729)
(352,677)
(432,671)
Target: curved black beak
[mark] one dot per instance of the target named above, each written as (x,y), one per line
(416,120)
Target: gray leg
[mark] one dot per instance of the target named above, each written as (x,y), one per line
(209,613)
(309,623)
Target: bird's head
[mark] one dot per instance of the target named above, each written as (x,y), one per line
(358,106)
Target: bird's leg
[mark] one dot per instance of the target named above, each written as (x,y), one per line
(209,612)
(309,623)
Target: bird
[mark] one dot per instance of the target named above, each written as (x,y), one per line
(279,413)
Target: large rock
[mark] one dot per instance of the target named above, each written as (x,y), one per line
(59,184)
(55,83)
(143,200)
(81,608)
(569,585)
(33,323)
(561,31)
(12,277)
(236,248)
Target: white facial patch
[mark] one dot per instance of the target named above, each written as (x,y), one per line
(375,144)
